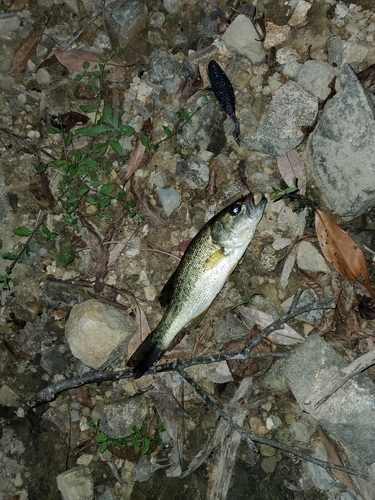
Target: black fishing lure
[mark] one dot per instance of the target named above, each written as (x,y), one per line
(224,93)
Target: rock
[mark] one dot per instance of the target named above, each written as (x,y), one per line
(301,431)
(310,259)
(307,297)
(290,109)
(194,172)
(348,413)
(97,333)
(171,6)
(162,67)
(345,52)
(228,328)
(61,295)
(298,18)
(117,419)
(8,397)
(124,20)
(241,37)
(76,484)
(9,23)
(170,199)
(341,148)
(315,76)
(53,361)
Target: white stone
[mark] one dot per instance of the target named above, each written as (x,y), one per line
(95,332)
(242,37)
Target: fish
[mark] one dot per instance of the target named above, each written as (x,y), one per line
(224,93)
(206,265)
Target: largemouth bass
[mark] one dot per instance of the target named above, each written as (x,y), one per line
(205,267)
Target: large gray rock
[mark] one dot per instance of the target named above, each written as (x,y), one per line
(97,333)
(342,148)
(291,108)
(349,413)
(76,484)
(124,20)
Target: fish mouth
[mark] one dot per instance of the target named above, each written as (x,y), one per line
(252,208)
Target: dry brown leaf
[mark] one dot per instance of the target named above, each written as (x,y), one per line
(73,59)
(334,458)
(18,5)
(290,167)
(135,159)
(24,53)
(341,250)
(83,396)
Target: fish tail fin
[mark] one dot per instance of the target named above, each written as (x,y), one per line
(146,355)
(236,133)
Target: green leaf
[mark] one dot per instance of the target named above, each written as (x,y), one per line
(82,191)
(126,131)
(167,131)
(87,109)
(9,256)
(42,168)
(94,131)
(108,189)
(22,231)
(65,256)
(107,115)
(53,130)
(185,115)
(116,146)
(146,447)
(88,162)
(86,65)
(91,201)
(100,438)
(144,140)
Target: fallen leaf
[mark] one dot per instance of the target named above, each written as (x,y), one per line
(73,59)
(142,328)
(27,49)
(211,187)
(291,166)
(334,458)
(151,214)
(18,5)
(135,159)
(83,397)
(69,120)
(341,251)
(240,369)
(189,87)
(251,317)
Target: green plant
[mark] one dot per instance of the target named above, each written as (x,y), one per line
(84,173)
(184,118)
(140,439)
(16,257)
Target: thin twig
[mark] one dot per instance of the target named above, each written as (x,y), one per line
(249,437)
(50,392)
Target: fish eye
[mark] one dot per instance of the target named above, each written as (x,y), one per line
(235,209)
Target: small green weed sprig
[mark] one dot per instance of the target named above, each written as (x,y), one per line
(298,202)
(84,173)
(140,440)
(16,257)
(183,119)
